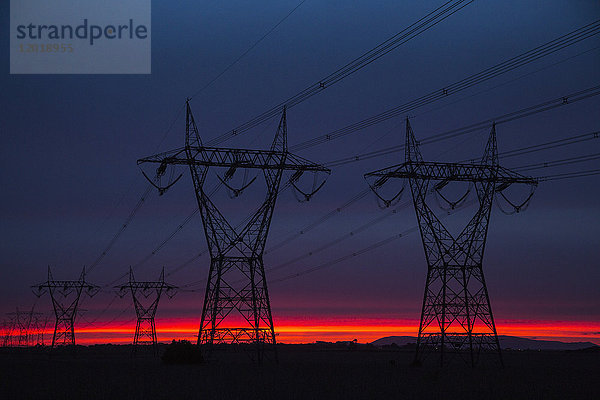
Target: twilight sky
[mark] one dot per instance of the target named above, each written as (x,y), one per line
(70,145)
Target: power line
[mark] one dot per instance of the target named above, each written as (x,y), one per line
(174,233)
(524,112)
(545,67)
(167,239)
(369,248)
(499,119)
(105,309)
(177,115)
(307,228)
(114,239)
(137,206)
(405,204)
(557,163)
(104,324)
(248,50)
(485,75)
(387,46)
(570,175)
(551,144)
(546,49)
(286,240)
(340,259)
(319,221)
(349,235)
(205,251)
(376,245)
(379,219)
(418,27)
(528,111)
(163,243)
(422,25)
(509,153)
(515,62)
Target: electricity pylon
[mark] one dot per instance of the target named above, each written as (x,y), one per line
(7,328)
(17,329)
(65,297)
(29,327)
(39,329)
(236,285)
(11,327)
(457,315)
(145,329)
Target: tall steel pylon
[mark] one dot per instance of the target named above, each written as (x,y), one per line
(39,330)
(17,328)
(457,314)
(65,297)
(236,285)
(145,328)
(25,328)
(7,329)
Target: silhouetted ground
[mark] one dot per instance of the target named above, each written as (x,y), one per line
(303,372)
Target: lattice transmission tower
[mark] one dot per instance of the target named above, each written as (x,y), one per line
(236,284)
(24,328)
(7,332)
(13,333)
(65,297)
(145,296)
(457,315)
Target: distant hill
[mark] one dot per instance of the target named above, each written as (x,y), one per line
(514,342)
(506,342)
(398,340)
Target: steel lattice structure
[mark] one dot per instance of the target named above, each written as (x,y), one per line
(24,329)
(457,315)
(145,328)
(236,284)
(7,332)
(65,297)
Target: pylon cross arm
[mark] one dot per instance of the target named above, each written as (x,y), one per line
(66,285)
(61,284)
(240,158)
(453,172)
(146,285)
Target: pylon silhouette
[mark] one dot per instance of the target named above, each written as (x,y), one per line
(65,297)
(145,328)
(236,285)
(457,315)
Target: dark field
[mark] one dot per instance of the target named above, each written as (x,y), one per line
(303,372)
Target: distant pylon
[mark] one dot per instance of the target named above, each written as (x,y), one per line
(4,330)
(457,314)
(23,328)
(39,330)
(236,304)
(8,332)
(65,297)
(18,328)
(145,328)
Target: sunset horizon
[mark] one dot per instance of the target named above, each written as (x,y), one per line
(300,199)
(298,331)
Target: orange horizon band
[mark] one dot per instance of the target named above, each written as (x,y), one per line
(311,331)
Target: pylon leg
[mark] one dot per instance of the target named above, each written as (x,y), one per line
(227,296)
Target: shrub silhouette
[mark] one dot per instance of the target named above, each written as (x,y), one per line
(182,352)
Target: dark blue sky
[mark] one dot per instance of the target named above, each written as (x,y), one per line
(70,145)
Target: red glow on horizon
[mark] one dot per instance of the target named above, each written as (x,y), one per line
(365,331)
